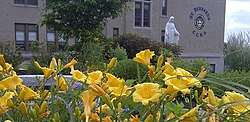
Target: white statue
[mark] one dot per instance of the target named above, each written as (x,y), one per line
(171,34)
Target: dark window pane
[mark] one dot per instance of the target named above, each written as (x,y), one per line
(212,68)
(18,1)
(32,2)
(164,7)
(115,31)
(138,13)
(20,36)
(146,19)
(162,35)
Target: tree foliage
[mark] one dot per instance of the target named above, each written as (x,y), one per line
(81,18)
(237,52)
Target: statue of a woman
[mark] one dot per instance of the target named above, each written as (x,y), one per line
(171,34)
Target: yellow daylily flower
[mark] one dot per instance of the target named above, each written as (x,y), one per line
(190,116)
(94,77)
(78,76)
(61,84)
(212,99)
(177,84)
(146,92)
(144,57)
(4,102)
(88,97)
(26,93)
(114,81)
(119,91)
(46,71)
(10,83)
(192,81)
(134,118)
(168,69)
(238,99)
(70,64)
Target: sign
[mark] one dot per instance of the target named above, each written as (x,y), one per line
(200,17)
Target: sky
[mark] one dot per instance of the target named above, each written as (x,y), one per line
(237,16)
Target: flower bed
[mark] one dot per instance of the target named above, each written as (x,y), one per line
(101,96)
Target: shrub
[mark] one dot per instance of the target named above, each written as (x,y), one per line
(134,43)
(118,52)
(126,69)
(11,53)
(192,66)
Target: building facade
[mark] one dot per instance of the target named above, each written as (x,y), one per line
(199,22)
(20,22)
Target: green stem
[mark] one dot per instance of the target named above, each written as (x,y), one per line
(138,73)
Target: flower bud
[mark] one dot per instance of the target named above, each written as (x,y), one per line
(119,108)
(57,117)
(77,112)
(43,107)
(10,103)
(112,63)
(151,69)
(125,120)
(150,118)
(96,89)
(109,111)
(160,61)
(23,109)
(2,62)
(37,65)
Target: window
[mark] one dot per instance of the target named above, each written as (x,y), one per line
(162,35)
(25,35)
(142,13)
(164,7)
(212,68)
(55,41)
(26,2)
(115,31)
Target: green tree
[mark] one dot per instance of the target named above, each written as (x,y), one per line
(79,19)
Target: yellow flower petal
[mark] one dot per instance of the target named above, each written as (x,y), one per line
(190,116)
(144,57)
(146,92)
(61,84)
(70,64)
(78,76)
(10,83)
(169,69)
(88,97)
(94,77)
(27,93)
(242,103)
(53,64)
